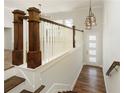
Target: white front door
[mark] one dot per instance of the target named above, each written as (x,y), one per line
(92,48)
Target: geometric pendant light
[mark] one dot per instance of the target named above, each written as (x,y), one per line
(90,20)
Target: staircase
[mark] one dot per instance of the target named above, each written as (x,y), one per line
(36,91)
(15,81)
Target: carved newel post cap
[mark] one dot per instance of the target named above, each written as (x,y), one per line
(18,16)
(34,14)
(33,9)
(19,12)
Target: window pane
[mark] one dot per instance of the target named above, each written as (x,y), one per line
(92,59)
(92,45)
(92,52)
(92,37)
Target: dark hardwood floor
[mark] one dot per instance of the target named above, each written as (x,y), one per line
(90,80)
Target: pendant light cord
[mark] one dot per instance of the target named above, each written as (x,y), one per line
(90,10)
(90,3)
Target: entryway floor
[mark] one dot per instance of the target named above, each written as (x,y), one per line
(90,80)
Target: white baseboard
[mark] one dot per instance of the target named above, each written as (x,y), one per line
(73,84)
(104,75)
(93,64)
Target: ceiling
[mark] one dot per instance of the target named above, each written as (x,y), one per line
(51,6)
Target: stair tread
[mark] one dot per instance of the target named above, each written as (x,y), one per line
(36,91)
(25,91)
(12,82)
(39,89)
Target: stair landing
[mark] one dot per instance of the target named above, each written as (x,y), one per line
(90,80)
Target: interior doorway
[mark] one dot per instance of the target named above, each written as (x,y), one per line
(93,48)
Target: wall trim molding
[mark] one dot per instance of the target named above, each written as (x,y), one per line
(73,84)
(104,76)
(93,64)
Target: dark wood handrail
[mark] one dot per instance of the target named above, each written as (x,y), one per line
(53,22)
(114,64)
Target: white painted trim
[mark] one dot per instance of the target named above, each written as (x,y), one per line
(104,76)
(73,84)
(93,64)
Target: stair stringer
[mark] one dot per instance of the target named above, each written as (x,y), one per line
(32,78)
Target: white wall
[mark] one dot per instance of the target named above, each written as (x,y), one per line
(8,17)
(8,38)
(65,71)
(8,24)
(111,43)
(78,17)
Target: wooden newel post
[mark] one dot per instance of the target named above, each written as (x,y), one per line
(34,54)
(17,53)
(74,37)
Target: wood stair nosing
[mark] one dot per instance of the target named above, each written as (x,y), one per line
(25,91)
(36,91)
(67,92)
(12,82)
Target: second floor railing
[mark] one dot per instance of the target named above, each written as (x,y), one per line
(37,40)
(55,39)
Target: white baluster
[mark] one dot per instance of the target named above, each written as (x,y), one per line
(52,39)
(42,41)
(45,42)
(24,40)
